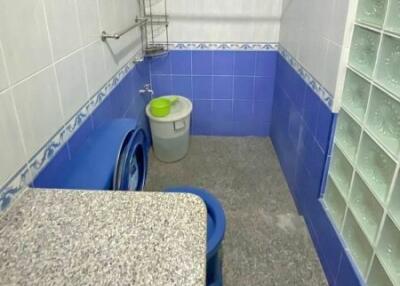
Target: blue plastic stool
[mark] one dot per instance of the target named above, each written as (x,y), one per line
(215,232)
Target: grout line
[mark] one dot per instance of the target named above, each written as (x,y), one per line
(82,56)
(53,67)
(53,64)
(3,57)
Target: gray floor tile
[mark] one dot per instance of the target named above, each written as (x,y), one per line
(266,241)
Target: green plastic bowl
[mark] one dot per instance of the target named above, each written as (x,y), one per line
(161,107)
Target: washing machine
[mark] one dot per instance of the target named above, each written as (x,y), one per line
(113,157)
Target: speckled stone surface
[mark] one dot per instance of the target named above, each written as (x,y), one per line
(266,242)
(51,237)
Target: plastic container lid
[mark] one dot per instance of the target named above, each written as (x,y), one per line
(179,110)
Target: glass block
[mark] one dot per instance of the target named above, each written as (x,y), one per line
(393,18)
(375,166)
(357,243)
(388,70)
(394,204)
(355,94)
(364,48)
(347,134)
(341,171)
(389,250)
(371,12)
(378,276)
(383,119)
(365,208)
(335,203)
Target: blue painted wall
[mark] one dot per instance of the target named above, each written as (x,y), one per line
(301,132)
(123,102)
(231,91)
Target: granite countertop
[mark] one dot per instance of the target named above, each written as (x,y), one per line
(61,237)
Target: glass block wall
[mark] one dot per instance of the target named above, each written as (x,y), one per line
(363,187)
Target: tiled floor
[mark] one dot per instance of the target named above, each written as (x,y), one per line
(266,242)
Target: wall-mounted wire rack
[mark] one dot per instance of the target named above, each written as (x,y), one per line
(155,29)
(153,22)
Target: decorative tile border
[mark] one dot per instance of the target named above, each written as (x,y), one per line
(314,84)
(225,46)
(24,176)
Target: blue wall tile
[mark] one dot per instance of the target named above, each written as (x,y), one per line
(245,63)
(202,62)
(201,120)
(301,132)
(224,63)
(182,85)
(202,87)
(161,65)
(224,128)
(46,176)
(324,125)
(331,246)
(262,110)
(266,64)
(216,76)
(244,87)
(294,125)
(223,87)
(181,62)
(347,274)
(222,111)
(264,88)
(80,135)
(310,108)
(124,100)
(222,118)
(243,110)
(295,88)
(161,84)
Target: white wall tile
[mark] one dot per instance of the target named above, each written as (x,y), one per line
(108,15)
(24,36)
(116,16)
(51,61)
(62,19)
(331,67)
(312,31)
(12,155)
(3,74)
(89,20)
(224,20)
(339,15)
(38,109)
(72,83)
(95,70)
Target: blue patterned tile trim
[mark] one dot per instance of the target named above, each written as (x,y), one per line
(23,178)
(225,46)
(317,87)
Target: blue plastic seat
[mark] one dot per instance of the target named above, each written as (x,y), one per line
(216,224)
(93,164)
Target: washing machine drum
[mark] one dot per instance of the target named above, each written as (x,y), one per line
(131,165)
